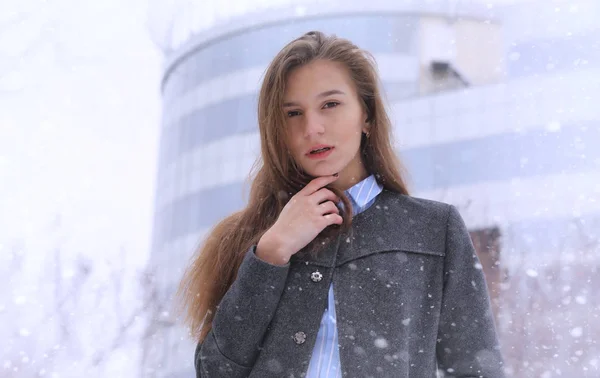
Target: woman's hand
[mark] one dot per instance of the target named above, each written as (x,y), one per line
(306,214)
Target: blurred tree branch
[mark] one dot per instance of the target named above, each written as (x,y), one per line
(68,314)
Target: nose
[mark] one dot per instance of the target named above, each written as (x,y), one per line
(313,125)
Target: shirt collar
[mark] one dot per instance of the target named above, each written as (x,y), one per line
(363,192)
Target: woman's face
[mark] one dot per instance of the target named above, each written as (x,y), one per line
(325,120)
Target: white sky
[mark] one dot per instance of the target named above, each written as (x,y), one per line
(79,122)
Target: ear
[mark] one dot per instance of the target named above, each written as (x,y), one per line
(367,125)
(367,119)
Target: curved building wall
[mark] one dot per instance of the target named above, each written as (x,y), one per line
(549,216)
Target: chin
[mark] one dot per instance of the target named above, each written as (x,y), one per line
(323,171)
(323,168)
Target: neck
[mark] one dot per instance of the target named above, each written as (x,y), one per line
(350,176)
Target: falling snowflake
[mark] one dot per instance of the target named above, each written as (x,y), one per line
(381,343)
(576,332)
(532,272)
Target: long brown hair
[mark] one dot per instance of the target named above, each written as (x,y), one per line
(276,177)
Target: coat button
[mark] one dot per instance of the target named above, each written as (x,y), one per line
(300,337)
(316,276)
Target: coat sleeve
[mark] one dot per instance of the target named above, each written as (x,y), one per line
(467,340)
(232,346)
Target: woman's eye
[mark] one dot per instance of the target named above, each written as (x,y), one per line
(293,113)
(331,104)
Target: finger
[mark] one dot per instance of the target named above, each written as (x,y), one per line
(323,195)
(328,208)
(333,219)
(317,184)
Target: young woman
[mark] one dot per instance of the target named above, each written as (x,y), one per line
(332,269)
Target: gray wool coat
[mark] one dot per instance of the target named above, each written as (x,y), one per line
(410,293)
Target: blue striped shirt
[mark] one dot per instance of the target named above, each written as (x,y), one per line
(325,360)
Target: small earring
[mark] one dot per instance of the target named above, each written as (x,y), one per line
(367,133)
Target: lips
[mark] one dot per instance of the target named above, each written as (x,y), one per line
(319,149)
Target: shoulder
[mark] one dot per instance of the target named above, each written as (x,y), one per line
(428,218)
(420,208)
(408,223)
(425,225)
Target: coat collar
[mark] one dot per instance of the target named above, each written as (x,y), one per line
(392,223)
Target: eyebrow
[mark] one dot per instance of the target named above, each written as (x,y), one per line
(320,95)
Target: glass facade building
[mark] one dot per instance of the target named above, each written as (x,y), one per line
(514,145)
